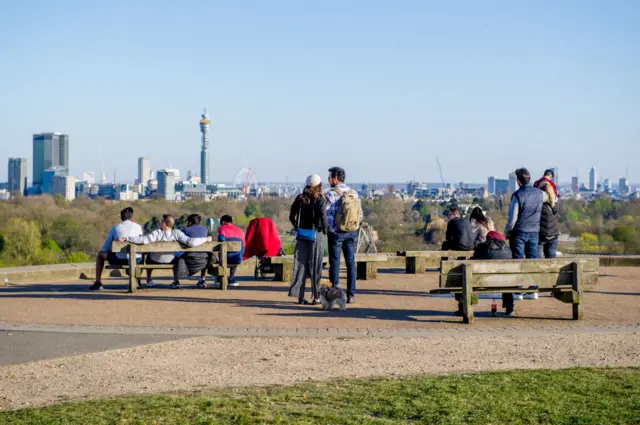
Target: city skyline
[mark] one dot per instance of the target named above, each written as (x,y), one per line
(380,89)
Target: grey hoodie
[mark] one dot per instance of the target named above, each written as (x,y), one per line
(160,235)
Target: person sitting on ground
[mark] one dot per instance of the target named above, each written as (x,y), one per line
(459,236)
(190,263)
(493,248)
(166,233)
(549,232)
(480,225)
(227,232)
(122,230)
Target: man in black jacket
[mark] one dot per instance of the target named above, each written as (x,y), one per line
(459,235)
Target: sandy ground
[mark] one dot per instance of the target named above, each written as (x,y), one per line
(209,362)
(395,300)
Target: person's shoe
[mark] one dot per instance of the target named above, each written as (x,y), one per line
(234,284)
(97,286)
(150,284)
(531,296)
(302,301)
(202,284)
(351,299)
(316,301)
(174,285)
(509,312)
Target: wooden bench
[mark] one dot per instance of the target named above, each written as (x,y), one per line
(565,278)
(366,266)
(418,261)
(135,270)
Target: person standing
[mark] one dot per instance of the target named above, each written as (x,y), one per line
(344,217)
(549,233)
(308,216)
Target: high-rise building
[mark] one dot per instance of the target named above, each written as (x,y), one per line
(575,185)
(89,177)
(167,180)
(205,124)
(491,185)
(144,170)
(608,187)
(513,183)
(64,186)
(623,186)
(49,150)
(502,186)
(17,175)
(593,180)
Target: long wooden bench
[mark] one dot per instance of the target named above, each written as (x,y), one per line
(135,270)
(565,278)
(418,261)
(366,266)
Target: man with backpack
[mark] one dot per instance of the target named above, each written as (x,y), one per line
(344,218)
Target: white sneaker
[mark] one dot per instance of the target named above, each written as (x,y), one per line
(531,296)
(150,284)
(518,297)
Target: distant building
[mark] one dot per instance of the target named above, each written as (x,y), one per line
(47,178)
(513,183)
(502,187)
(623,187)
(49,150)
(491,185)
(167,180)
(575,185)
(17,175)
(593,180)
(5,195)
(89,177)
(64,186)
(144,170)
(608,187)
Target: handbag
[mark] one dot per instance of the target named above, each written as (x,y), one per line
(308,235)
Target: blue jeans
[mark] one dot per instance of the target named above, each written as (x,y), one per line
(343,243)
(548,247)
(524,244)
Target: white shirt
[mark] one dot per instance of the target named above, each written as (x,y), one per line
(122,230)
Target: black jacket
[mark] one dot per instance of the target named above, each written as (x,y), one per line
(492,249)
(548,223)
(312,216)
(459,236)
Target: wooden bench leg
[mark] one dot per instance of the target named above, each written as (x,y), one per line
(278,269)
(133,281)
(577,292)
(416,265)
(287,272)
(367,270)
(224,279)
(467,292)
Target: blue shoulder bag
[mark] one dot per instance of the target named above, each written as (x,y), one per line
(308,235)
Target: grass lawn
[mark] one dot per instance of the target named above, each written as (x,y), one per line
(571,396)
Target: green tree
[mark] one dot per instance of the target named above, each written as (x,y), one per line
(624,234)
(21,242)
(253,210)
(151,225)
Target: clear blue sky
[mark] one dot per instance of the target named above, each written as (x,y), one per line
(293,87)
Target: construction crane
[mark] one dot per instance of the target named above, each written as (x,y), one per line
(441,175)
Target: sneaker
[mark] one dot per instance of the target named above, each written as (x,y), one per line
(510,312)
(531,296)
(150,284)
(174,285)
(97,286)
(202,284)
(517,296)
(234,284)
(351,299)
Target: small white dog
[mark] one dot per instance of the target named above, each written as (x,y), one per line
(330,297)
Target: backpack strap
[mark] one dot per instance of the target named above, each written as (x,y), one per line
(336,190)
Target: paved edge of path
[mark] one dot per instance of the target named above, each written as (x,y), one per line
(324,332)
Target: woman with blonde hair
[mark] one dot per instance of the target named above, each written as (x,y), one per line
(309,218)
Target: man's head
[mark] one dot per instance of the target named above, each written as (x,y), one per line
(193,219)
(126,214)
(226,219)
(168,221)
(523,176)
(454,213)
(549,174)
(336,176)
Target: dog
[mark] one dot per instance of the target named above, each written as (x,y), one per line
(330,297)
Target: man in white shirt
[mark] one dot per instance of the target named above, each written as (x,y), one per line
(124,229)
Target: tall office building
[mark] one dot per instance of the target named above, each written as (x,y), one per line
(513,183)
(17,175)
(64,186)
(49,150)
(167,180)
(144,170)
(593,180)
(575,185)
(502,186)
(491,185)
(623,186)
(205,124)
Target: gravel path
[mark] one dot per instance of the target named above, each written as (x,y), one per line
(208,362)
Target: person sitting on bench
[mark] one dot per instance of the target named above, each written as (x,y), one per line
(459,235)
(166,233)
(493,248)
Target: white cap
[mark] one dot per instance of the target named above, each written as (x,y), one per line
(314,180)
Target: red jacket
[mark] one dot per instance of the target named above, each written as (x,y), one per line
(262,239)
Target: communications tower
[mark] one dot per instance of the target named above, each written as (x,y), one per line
(205,124)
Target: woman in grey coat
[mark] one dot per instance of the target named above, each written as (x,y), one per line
(309,217)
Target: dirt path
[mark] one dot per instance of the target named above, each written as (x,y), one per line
(208,362)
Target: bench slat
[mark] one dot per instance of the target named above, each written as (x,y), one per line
(175,247)
(521,266)
(436,254)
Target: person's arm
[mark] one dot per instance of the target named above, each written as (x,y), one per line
(293,213)
(186,240)
(111,236)
(324,220)
(144,239)
(514,210)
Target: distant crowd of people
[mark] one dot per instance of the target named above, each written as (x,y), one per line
(531,229)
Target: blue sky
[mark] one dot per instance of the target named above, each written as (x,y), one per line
(293,87)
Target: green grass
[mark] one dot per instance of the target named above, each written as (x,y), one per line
(572,396)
